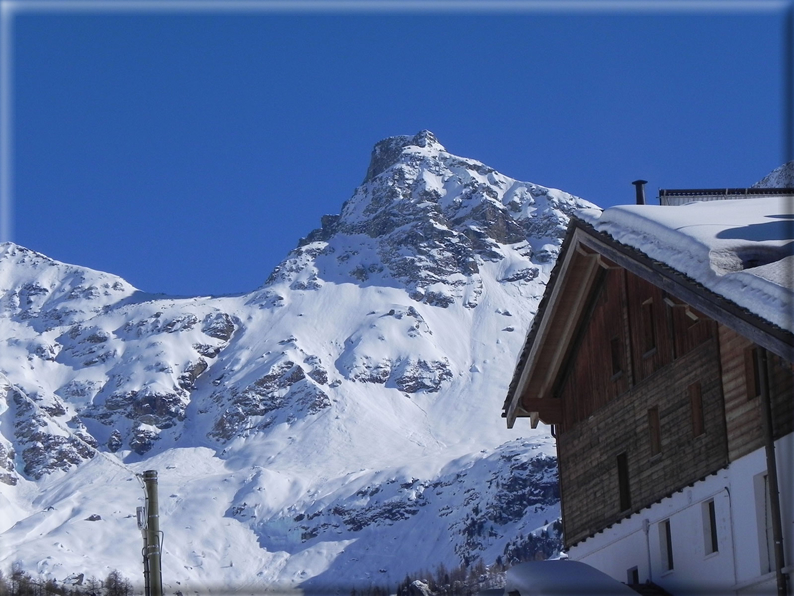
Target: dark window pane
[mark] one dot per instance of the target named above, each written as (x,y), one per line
(696,405)
(654,431)
(623,482)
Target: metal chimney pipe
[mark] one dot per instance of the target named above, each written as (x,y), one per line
(639,186)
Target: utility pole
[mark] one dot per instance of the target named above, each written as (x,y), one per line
(149,524)
(771,471)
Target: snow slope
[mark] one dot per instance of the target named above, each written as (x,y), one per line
(337,427)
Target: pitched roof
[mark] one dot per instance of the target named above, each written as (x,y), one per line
(730,259)
(740,249)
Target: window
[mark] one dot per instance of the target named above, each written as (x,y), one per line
(654,431)
(751,376)
(696,406)
(666,545)
(623,482)
(633,576)
(710,527)
(648,329)
(617,357)
(763,509)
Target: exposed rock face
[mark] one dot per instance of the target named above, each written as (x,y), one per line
(429,219)
(8,473)
(50,294)
(418,375)
(285,387)
(387,152)
(218,325)
(192,372)
(43,445)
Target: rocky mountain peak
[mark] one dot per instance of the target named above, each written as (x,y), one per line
(388,151)
(780,177)
(50,293)
(429,220)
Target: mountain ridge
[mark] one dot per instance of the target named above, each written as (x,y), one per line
(295,435)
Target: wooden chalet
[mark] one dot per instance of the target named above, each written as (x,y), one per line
(667,400)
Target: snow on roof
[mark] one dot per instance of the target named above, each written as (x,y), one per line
(740,249)
(561,578)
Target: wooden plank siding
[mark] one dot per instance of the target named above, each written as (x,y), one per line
(742,409)
(583,388)
(588,379)
(587,453)
(651,344)
(605,414)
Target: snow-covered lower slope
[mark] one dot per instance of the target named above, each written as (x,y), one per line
(338,427)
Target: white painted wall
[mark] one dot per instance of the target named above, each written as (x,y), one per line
(736,568)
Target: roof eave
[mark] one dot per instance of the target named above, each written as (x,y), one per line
(583,237)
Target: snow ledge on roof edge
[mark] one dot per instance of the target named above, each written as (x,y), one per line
(739,249)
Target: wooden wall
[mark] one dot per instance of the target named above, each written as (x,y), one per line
(588,452)
(742,409)
(585,388)
(627,312)
(666,350)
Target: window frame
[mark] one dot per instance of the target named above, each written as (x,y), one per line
(654,431)
(711,541)
(666,545)
(648,324)
(633,575)
(696,410)
(624,485)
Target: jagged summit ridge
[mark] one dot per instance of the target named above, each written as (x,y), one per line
(49,293)
(780,177)
(388,151)
(429,219)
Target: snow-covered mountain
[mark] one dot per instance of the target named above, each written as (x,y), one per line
(337,427)
(780,177)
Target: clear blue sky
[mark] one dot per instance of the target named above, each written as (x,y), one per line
(189,152)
